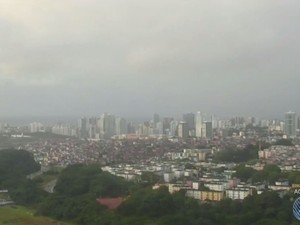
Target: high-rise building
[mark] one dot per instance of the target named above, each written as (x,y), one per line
(198,124)
(92,127)
(250,121)
(166,124)
(238,122)
(36,127)
(146,129)
(107,125)
(159,128)
(83,128)
(207,130)
(173,128)
(290,124)
(63,129)
(121,126)
(183,131)
(214,122)
(189,118)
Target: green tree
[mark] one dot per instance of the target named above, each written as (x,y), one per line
(284,142)
(149,177)
(244,173)
(16,164)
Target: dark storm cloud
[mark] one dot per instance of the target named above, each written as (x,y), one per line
(137,57)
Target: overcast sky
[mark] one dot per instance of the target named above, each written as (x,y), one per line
(137,57)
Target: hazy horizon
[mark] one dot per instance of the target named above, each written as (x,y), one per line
(134,58)
(73,119)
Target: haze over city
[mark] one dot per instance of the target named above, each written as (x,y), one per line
(131,58)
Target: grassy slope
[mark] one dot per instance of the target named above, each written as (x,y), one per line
(17,215)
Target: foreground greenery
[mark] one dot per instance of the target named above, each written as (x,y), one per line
(18,215)
(16,164)
(269,174)
(78,186)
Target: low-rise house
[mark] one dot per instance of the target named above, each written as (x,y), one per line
(211,195)
(177,187)
(280,185)
(238,193)
(216,186)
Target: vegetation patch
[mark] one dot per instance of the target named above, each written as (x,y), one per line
(17,215)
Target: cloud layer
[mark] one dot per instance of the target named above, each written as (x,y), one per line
(132,57)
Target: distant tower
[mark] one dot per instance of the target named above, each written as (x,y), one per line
(121,126)
(207,130)
(159,128)
(189,118)
(92,127)
(173,128)
(83,127)
(290,124)
(166,124)
(198,124)
(107,125)
(36,127)
(183,130)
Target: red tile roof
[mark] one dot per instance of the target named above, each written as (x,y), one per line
(110,203)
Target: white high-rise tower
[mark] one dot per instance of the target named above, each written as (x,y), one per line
(198,124)
(290,124)
(107,125)
(121,126)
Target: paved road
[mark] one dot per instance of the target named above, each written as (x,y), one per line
(49,187)
(42,170)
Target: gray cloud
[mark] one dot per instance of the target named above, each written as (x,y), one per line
(76,57)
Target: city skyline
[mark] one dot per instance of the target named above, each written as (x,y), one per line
(196,125)
(73,119)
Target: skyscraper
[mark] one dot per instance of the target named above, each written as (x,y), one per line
(36,127)
(159,128)
(121,126)
(166,124)
(207,130)
(198,124)
(189,118)
(83,128)
(183,130)
(107,125)
(173,128)
(290,124)
(92,127)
